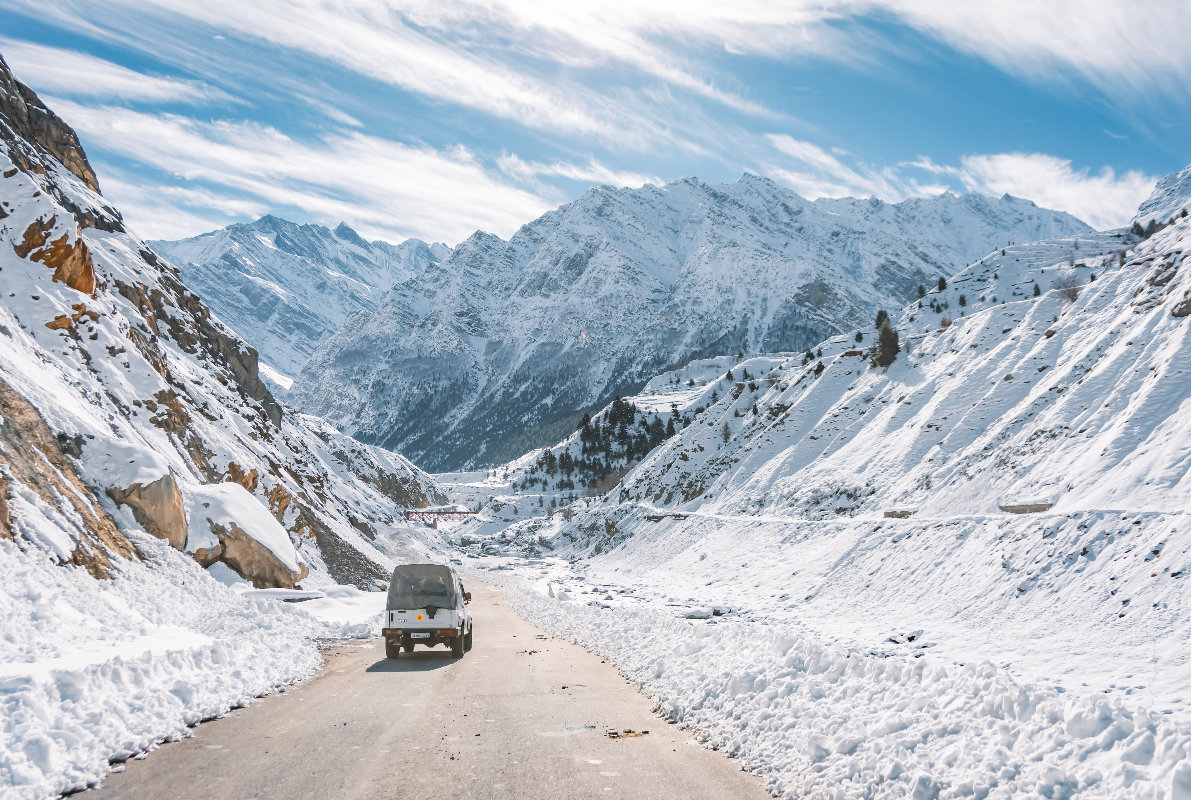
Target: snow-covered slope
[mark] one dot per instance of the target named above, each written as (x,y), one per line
(967,572)
(133,392)
(1171,196)
(495,350)
(147,479)
(285,288)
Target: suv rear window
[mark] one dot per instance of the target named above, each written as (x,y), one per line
(421,585)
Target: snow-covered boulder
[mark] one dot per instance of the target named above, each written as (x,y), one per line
(227,524)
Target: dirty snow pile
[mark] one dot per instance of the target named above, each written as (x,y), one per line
(93,671)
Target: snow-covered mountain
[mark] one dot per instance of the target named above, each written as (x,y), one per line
(965,574)
(130,408)
(1171,196)
(495,350)
(285,288)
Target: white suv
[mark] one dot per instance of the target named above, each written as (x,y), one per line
(427,605)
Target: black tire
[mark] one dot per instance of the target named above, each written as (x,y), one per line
(470,639)
(392,651)
(408,648)
(456,646)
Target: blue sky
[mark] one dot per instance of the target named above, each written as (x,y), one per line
(436,119)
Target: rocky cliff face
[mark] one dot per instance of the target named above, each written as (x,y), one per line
(286,288)
(494,350)
(29,121)
(125,401)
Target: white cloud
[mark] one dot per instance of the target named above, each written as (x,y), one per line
(829,177)
(52,69)
(382,188)
(1104,200)
(1126,50)
(592,172)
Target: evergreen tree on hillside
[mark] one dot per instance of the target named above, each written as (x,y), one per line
(920,290)
(941,284)
(881,317)
(886,348)
(583,422)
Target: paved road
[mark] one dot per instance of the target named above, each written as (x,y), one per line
(521,716)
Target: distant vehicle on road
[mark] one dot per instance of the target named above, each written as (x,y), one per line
(427,605)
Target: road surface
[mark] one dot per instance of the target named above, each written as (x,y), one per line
(521,716)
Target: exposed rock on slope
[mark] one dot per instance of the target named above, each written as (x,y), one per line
(121,378)
(30,122)
(495,350)
(285,288)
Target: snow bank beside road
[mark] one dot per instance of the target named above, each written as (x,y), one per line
(97,670)
(820,720)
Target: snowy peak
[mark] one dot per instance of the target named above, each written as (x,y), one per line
(286,287)
(1171,196)
(497,349)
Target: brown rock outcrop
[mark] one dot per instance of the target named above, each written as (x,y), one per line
(36,123)
(246,556)
(72,264)
(158,507)
(247,480)
(32,456)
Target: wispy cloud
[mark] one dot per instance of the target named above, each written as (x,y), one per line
(383,188)
(826,176)
(591,172)
(1125,50)
(75,74)
(1104,200)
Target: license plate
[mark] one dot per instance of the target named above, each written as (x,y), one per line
(418,636)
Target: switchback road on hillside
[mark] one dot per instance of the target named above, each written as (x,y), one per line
(522,715)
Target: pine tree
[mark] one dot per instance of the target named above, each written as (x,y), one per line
(858,336)
(881,317)
(745,374)
(962,299)
(725,433)
(1037,290)
(920,290)
(941,284)
(691,381)
(729,375)
(714,395)
(886,348)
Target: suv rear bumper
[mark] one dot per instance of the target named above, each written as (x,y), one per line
(430,636)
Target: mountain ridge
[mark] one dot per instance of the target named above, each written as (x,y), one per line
(286,286)
(501,343)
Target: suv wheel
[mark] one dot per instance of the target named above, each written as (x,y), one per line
(392,651)
(469,640)
(456,646)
